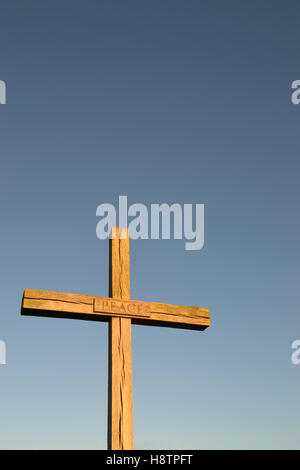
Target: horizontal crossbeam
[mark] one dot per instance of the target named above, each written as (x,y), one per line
(88,307)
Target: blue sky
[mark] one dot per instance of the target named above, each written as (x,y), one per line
(172,101)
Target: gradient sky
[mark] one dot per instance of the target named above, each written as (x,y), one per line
(162,101)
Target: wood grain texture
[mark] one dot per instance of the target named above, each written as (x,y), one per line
(87,307)
(120,407)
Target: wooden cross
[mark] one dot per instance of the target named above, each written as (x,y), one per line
(120,311)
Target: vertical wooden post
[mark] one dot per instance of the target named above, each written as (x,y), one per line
(120,415)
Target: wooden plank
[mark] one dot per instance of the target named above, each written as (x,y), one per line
(170,321)
(55,305)
(179,310)
(119,286)
(120,407)
(38,302)
(62,296)
(178,316)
